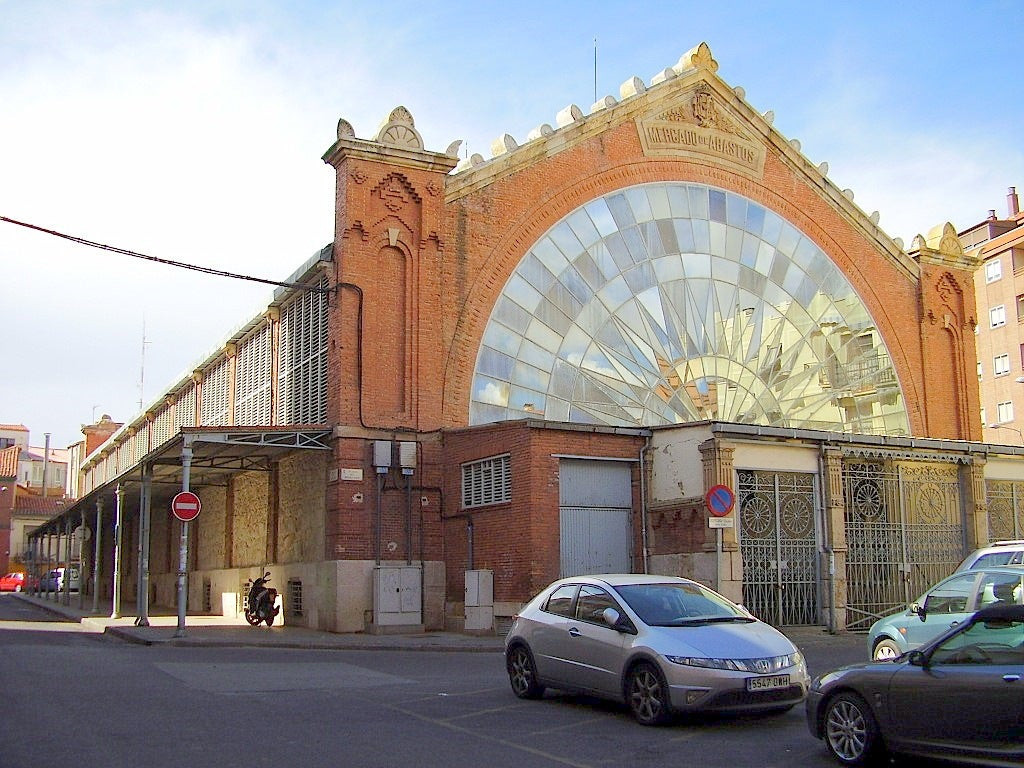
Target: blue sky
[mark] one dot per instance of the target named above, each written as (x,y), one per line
(194,131)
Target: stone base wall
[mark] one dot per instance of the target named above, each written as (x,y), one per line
(337,595)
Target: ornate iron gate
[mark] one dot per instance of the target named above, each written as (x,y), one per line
(904,532)
(1005,509)
(779,546)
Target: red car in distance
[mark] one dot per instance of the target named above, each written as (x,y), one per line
(12,582)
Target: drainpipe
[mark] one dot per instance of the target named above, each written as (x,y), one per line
(643,503)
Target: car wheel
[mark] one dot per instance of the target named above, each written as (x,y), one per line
(851,731)
(522,673)
(886,650)
(647,695)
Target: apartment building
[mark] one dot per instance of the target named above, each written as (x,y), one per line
(998,246)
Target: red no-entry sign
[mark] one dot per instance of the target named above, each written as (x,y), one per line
(186,506)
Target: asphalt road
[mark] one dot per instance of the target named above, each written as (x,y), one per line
(74,698)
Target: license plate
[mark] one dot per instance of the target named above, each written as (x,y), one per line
(767,683)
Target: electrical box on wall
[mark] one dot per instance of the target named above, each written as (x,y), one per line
(382,455)
(407,455)
(479,601)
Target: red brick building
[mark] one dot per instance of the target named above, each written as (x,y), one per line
(539,363)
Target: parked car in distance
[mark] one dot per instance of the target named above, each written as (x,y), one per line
(660,644)
(12,582)
(959,697)
(53,580)
(946,604)
(996,553)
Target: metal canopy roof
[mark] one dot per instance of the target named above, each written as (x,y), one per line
(217,453)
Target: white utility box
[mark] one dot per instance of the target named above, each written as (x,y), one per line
(479,601)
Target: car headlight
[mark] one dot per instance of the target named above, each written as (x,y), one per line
(759,666)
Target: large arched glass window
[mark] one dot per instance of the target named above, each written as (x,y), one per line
(672,303)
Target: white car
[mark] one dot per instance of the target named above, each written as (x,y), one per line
(661,644)
(53,580)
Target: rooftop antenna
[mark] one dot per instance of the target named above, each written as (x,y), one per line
(595,70)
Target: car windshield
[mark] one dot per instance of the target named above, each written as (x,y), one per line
(678,605)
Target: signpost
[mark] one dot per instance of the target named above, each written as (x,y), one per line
(719,500)
(185,503)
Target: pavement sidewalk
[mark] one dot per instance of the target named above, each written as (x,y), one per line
(227,631)
(230,632)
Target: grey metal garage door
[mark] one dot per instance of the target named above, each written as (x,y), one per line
(595,506)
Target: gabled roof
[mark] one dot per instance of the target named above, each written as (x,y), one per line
(41,506)
(14,427)
(9,462)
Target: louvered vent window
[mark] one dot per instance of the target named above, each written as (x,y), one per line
(215,395)
(163,426)
(486,482)
(302,359)
(252,380)
(185,409)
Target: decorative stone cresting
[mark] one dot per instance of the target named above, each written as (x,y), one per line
(697,58)
(632,87)
(666,74)
(605,103)
(399,130)
(345,130)
(539,132)
(569,115)
(453,148)
(503,144)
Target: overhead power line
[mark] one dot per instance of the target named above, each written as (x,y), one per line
(167,262)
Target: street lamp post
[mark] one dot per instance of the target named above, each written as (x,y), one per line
(1012,429)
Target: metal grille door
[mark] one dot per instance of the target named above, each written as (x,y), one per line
(903,531)
(779,546)
(1005,509)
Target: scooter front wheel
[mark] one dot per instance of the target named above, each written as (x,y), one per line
(252,618)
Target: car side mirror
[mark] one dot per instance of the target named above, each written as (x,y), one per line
(917,659)
(611,617)
(920,610)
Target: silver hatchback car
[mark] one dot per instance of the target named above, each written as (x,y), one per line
(661,644)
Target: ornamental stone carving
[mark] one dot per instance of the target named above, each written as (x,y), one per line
(399,130)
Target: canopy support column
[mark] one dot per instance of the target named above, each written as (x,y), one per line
(115,612)
(97,548)
(145,505)
(186,469)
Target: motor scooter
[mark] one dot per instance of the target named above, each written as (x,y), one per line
(261,602)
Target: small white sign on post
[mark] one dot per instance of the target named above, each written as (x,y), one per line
(720,522)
